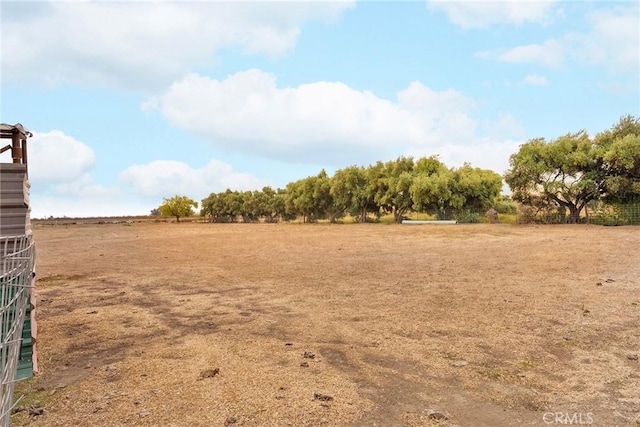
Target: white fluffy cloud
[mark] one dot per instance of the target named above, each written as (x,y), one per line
(56,158)
(326,122)
(142,44)
(611,42)
(60,169)
(483,14)
(550,54)
(164,178)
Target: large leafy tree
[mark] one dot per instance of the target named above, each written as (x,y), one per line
(178,206)
(618,154)
(351,193)
(563,171)
(253,206)
(574,169)
(321,187)
(216,207)
(273,203)
(309,197)
(207,207)
(430,189)
(436,188)
(474,188)
(376,185)
(232,203)
(393,193)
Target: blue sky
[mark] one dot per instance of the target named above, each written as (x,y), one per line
(130,102)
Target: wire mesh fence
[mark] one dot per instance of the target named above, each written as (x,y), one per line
(614,214)
(598,213)
(16,273)
(532,215)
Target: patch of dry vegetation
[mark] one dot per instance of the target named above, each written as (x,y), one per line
(435,325)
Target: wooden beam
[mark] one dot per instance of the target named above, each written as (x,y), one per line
(24,156)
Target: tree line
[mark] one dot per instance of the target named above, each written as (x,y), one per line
(394,187)
(565,173)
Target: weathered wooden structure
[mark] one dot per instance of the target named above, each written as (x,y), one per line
(17,267)
(18,146)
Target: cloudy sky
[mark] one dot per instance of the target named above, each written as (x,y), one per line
(133,101)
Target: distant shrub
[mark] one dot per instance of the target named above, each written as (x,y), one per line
(469,218)
(504,205)
(541,215)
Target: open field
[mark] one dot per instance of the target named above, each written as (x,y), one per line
(215,324)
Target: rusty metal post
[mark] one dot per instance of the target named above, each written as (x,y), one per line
(16,149)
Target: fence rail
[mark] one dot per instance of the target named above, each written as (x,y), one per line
(16,273)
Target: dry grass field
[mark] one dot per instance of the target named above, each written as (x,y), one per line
(336,325)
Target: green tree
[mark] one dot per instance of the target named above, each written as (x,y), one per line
(564,171)
(295,203)
(178,206)
(323,202)
(436,188)
(214,207)
(431,186)
(505,205)
(376,186)
(393,189)
(432,193)
(206,206)
(618,155)
(251,210)
(474,188)
(273,202)
(309,197)
(231,204)
(351,192)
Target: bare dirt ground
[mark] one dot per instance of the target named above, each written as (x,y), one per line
(336,325)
